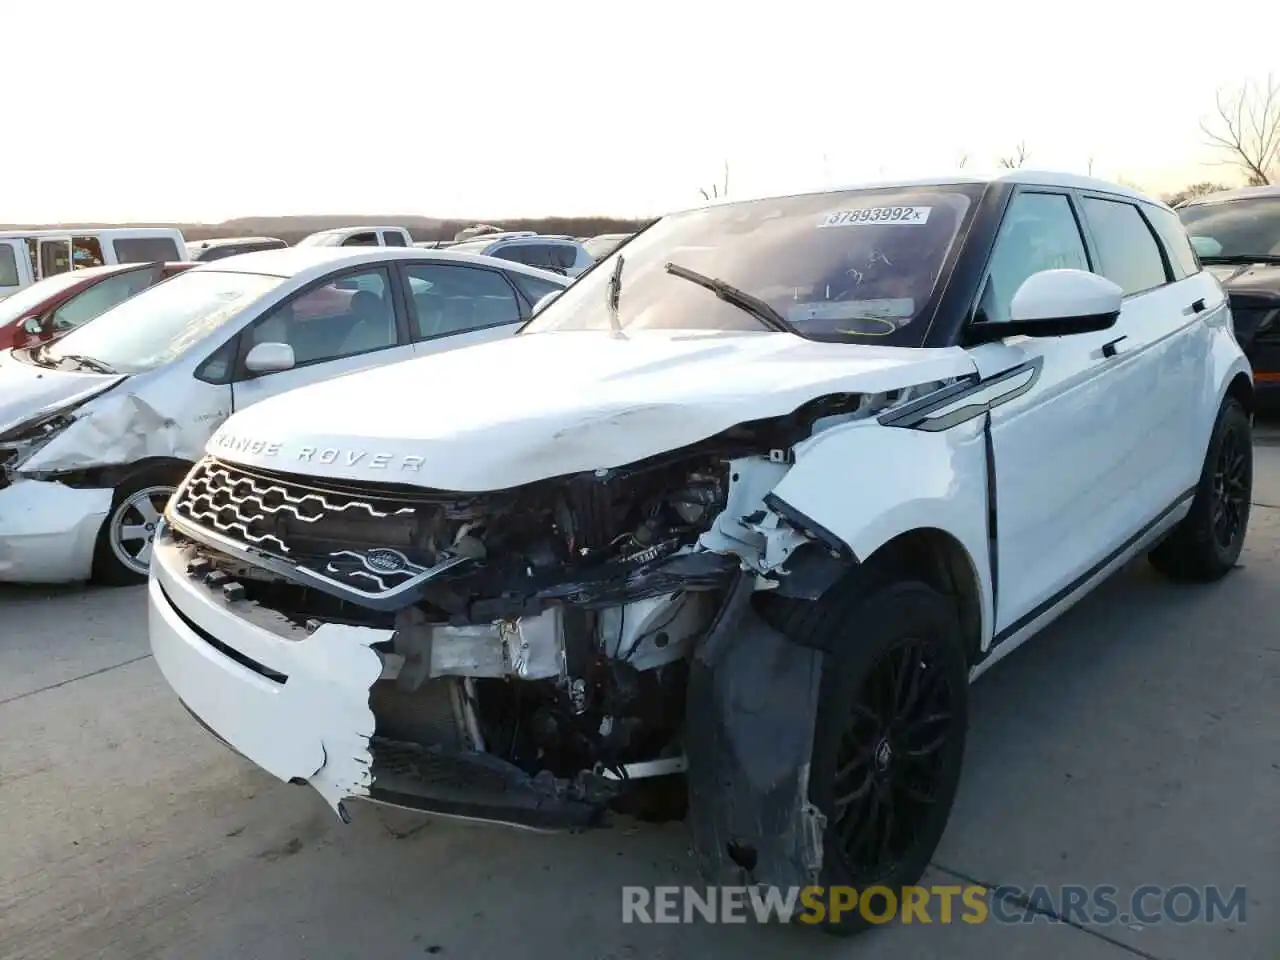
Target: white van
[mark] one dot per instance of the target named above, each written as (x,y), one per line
(30,255)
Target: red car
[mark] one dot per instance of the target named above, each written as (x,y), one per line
(54,305)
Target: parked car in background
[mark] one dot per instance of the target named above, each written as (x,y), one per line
(556,253)
(52,307)
(751,502)
(358,237)
(99,426)
(1237,236)
(203,251)
(601,246)
(31,255)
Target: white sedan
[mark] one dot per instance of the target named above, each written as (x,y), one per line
(784,475)
(98,427)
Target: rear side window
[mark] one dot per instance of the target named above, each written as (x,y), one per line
(394,238)
(533,288)
(8,266)
(1126,247)
(145,249)
(1182,256)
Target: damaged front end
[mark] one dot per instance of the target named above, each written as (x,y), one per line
(547,652)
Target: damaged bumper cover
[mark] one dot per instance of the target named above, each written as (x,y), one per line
(298,704)
(48,531)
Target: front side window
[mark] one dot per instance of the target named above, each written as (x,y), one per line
(86,252)
(861,266)
(160,323)
(345,317)
(450,298)
(1234,229)
(145,249)
(1039,232)
(393,238)
(1125,244)
(99,298)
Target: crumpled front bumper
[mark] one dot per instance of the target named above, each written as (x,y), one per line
(48,531)
(300,704)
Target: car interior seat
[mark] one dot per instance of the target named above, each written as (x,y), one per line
(372,324)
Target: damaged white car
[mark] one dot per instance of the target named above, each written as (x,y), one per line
(749,504)
(98,427)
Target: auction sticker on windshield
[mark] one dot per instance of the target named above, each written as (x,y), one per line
(850,218)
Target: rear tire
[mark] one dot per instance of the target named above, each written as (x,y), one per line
(890,733)
(122,554)
(1207,542)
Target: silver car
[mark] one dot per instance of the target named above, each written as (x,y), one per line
(98,427)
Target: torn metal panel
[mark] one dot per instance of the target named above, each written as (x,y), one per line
(126,426)
(749,725)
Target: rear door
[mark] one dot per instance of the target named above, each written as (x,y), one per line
(54,255)
(1070,426)
(349,321)
(454,305)
(1165,338)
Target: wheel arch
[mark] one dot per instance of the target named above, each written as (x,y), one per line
(939,559)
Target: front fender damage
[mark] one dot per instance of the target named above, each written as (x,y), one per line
(750,714)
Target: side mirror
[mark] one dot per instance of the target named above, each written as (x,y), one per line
(545,302)
(270,358)
(32,326)
(1056,303)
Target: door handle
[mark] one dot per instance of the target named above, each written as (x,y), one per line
(1112,347)
(1198,306)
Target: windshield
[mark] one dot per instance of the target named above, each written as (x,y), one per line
(1235,228)
(27,299)
(158,324)
(861,266)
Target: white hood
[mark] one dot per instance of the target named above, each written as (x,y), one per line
(28,391)
(517,410)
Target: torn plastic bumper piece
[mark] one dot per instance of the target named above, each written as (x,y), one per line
(480,786)
(752,704)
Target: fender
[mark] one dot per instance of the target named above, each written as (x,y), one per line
(865,483)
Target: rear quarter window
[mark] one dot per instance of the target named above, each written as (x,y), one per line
(1182,256)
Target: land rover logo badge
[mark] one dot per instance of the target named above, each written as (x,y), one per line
(386,561)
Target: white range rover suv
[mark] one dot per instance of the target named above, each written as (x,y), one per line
(740,513)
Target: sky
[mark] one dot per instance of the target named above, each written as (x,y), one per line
(135,110)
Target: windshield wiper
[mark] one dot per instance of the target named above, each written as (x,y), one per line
(1242,258)
(83,363)
(613,293)
(758,308)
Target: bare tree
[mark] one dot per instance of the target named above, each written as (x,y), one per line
(1016,159)
(1089,167)
(1193,190)
(963,161)
(718,191)
(1246,129)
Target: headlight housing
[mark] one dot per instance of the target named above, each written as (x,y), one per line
(20,444)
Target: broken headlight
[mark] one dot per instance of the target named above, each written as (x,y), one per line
(20,444)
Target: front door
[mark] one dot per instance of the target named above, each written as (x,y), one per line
(1070,438)
(350,323)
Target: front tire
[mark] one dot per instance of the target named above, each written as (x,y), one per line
(1207,542)
(122,556)
(889,737)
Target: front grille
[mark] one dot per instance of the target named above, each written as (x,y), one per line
(369,541)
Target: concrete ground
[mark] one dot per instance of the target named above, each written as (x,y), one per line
(1137,741)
